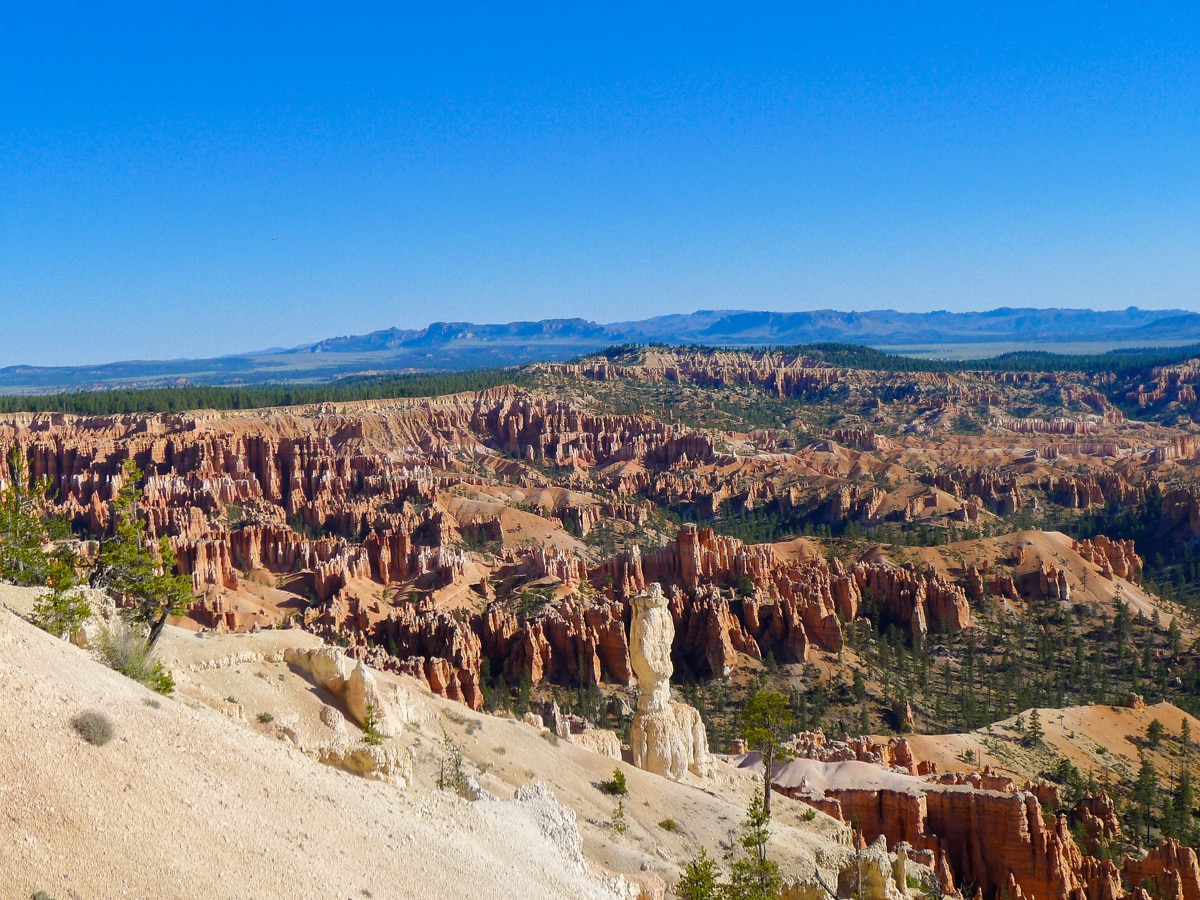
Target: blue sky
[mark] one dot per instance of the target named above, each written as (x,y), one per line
(606,161)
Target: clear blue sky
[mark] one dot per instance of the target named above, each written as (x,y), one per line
(447,162)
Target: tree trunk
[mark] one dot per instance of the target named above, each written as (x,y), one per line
(767,779)
(156,629)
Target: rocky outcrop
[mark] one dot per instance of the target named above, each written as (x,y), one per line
(858,438)
(998,841)
(794,608)
(982,830)
(914,599)
(385,762)
(894,754)
(555,643)
(1169,384)
(348,680)
(430,644)
(1117,558)
(1171,868)
(1098,815)
(667,737)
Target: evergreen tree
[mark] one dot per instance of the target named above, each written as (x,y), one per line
(371,733)
(753,876)
(1035,735)
(24,559)
(524,693)
(137,570)
(1122,627)
(699,881)
(767,722)
(1177,817)
(1145,792)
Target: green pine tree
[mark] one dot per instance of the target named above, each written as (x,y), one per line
(1035,735)
(370,726)
(1145,792)
(752,876)
(1154,733)
(767,722)
(1177,817)
(136,570)
(699,881)
(24,559)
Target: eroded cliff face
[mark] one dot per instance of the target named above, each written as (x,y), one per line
(980,830)
(336,499)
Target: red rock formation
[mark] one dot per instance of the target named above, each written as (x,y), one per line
(709,636)
(977,829)
(429,644)
(1098,816)
(914,599)
(995,840)
(858,438)
(1119,556)
(1171,868)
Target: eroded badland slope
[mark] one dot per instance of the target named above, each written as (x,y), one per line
(922,558)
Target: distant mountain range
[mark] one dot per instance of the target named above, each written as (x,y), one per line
(446,346)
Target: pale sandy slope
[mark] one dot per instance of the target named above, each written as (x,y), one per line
(199,798)
(187,803)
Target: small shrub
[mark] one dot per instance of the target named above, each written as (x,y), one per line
(94,727)
(152,702)
(42,895)
(699,881)
(160,681)
(669,825)
(618,823)
(127,651)
(616,785)
(371,726)
(809,814)
(550,737)
(266,718)
(451,775)
(61,613)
